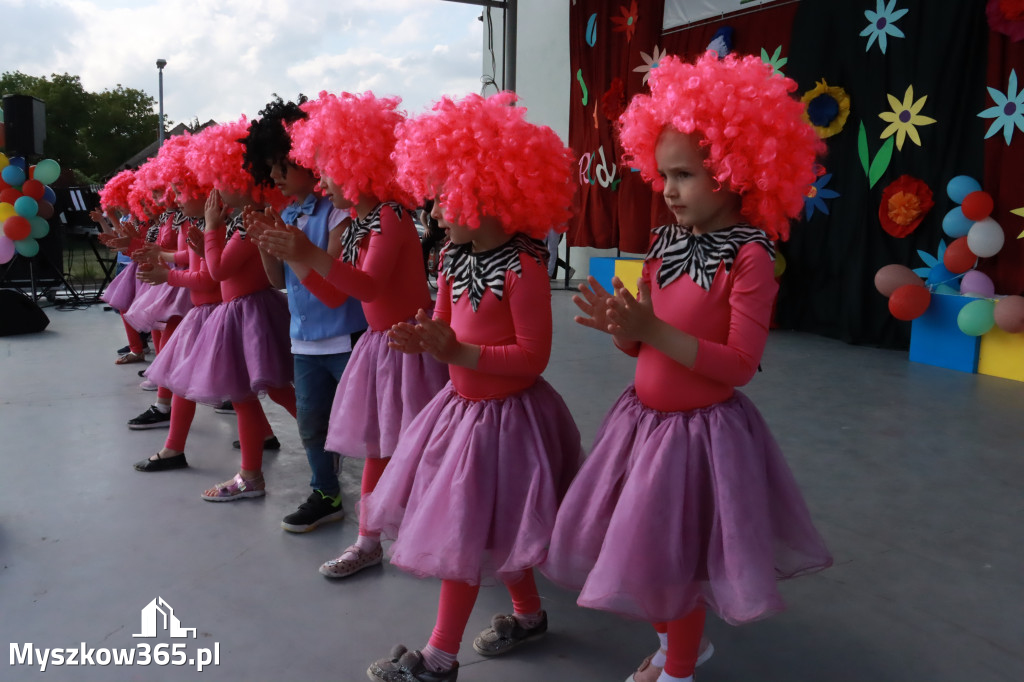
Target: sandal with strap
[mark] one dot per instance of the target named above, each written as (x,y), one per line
(342,567)
(130,358)
(236,489)
(648,672)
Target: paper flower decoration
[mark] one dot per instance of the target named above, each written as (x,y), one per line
(827,108)
(613,101)
(1008,111)
(934,272)
(1006,17)
(626,23)
(775,61)
(904,118)
(816,196)
(650,62)
(882,23)
(904,205)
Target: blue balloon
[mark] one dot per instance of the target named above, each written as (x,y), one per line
(26,206)
(956,224)
(50,195)
(20,162)
(13,175)
(960,186)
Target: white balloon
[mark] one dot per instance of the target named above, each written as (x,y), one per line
(985,238)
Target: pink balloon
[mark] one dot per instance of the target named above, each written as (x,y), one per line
(1009,314)
(889,278)
(6,249)
(977,284)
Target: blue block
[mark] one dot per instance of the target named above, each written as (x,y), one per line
(603,269)
(936,340)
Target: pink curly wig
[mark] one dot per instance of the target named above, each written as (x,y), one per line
(757,143)
(148,185)
(175,173)
(350,138)
(114,194)
(215,157)
(480,157)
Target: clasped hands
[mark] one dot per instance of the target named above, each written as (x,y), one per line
(626,317)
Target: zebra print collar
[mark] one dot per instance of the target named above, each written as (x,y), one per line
(234,224)
(177,220)
(475,273)
(699,255)
(358,229)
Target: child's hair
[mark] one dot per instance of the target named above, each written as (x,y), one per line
(217,157)
(175,173)
(141,200)
(268,140)
(757,143)
(350,139)
(480,157)
(114,194)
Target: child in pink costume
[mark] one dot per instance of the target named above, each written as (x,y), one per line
(350,139)
(472,490)
(685,502)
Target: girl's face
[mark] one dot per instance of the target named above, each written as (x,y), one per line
(293,181)
(334,192)
(693,195)
(194,208)
(458,234)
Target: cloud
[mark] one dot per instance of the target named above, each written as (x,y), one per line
(227,57)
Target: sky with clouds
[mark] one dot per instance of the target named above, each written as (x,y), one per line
(228,57)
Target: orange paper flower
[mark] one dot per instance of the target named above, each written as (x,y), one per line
(904,205)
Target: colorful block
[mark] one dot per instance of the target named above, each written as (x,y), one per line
(602,269)
(628,270)
(1002,355)
(936,340)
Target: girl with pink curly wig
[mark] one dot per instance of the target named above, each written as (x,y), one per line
(349,139)
(685,502)
(493,452)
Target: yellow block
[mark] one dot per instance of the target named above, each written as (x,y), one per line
(629,272)
(1002,355)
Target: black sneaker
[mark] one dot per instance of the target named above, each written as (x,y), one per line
(225,408)
(150,419)
(318,508)
(269,443)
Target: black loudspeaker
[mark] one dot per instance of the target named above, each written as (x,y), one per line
(19,315)
(25,125)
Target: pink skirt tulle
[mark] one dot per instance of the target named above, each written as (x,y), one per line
(240,351)
(474,485)
(674,510)
(122,290)
(381,391)
(156,304)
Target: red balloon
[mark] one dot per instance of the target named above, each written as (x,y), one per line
(17,228)
(891,277)
(9,195)
(45,209)
(909,301)
(958,257)
(34,189)
(977,206)
(1009,314)
(31,172)
(3,184)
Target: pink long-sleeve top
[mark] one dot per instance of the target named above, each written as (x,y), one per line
(387,275)
(196,278)
(514,333)
(236,264)
(730,321)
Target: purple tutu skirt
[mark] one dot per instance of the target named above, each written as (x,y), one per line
(474,486)
(236,354)
(674,510)
(122,290)
(380,393)
(155,305)
(179,348)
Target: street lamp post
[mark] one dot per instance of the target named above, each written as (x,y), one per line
(160,64)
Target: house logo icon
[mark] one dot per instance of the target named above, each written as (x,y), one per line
(159,615)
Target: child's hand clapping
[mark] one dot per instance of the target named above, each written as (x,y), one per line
(152,274)
(630,318)
(195,239)
(216,211)
(282,241)
(594,303)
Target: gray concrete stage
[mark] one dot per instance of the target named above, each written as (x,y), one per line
(914,474)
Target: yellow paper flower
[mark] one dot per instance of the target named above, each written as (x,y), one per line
(827,108)
(904,117)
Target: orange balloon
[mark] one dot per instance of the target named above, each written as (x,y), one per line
(909,301)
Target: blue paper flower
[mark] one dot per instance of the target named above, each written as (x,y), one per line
(1008,111)
(816,196)
(882,24)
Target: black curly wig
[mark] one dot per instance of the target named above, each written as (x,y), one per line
(268,142)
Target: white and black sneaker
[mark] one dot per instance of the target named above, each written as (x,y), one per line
(151,419)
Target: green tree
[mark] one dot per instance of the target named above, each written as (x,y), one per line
(90,133)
